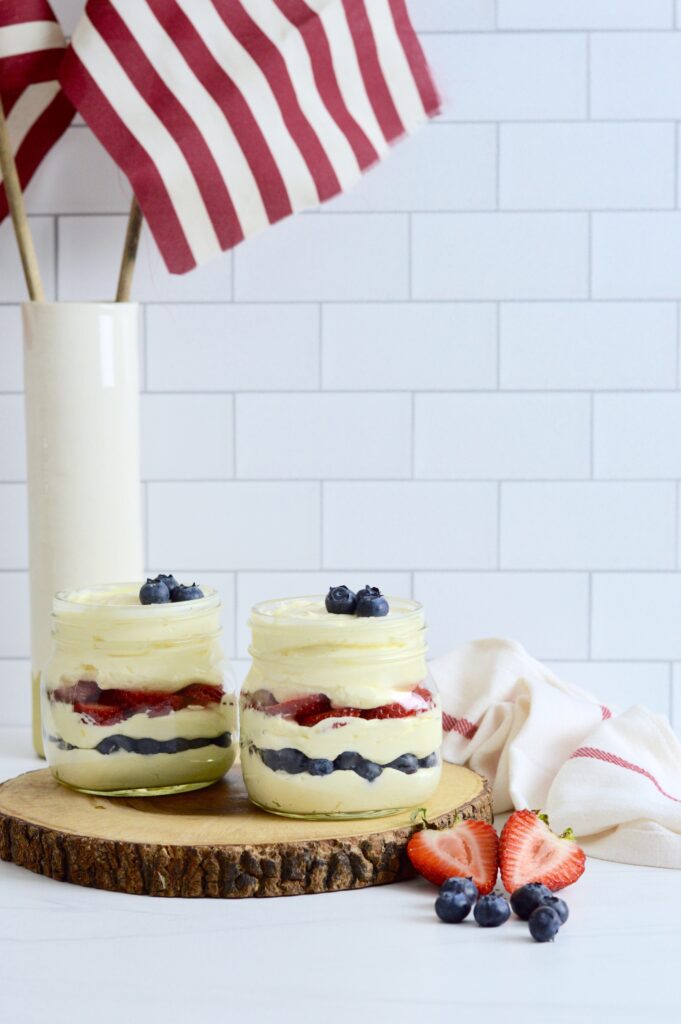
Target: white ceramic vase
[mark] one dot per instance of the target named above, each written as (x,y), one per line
(82,426)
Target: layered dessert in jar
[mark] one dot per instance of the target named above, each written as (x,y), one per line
(137,698)
(339,716)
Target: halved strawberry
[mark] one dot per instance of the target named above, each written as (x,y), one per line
(530,852)
(310,720)
(470,849)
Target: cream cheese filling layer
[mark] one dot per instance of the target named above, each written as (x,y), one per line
(87,769)
(342,792)
(379,740)
(190,723)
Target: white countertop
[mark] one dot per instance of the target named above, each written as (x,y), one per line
(71,955)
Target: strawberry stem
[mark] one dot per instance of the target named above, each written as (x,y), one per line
(420,813)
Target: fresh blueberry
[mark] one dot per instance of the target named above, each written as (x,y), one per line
(347,761)
(148,746)
(271,759)
(491,911)
(559,905)
(407,763)
(452,907)
(341,601)
(320,766)
(292,761)
(544,924)
(465,885)
(368,770)
(371,603)
(528,898)
(154,592)
(186,593)
(428,762)
(169,581)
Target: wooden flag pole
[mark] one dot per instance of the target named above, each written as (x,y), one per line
(15,200)
(132,237)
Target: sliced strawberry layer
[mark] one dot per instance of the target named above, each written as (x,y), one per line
(299,708)
(311,720)
(107,707)
(308,711)
(467,850)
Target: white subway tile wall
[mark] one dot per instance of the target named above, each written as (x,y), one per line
(460,381)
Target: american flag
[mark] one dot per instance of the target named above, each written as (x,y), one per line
(37,111)
(228,115)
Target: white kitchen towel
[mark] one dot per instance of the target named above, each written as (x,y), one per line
(614,777)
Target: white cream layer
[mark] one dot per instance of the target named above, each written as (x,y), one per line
(299,646)
(190,723)
(104,634)
(379,740)
(88,769)
(342,792)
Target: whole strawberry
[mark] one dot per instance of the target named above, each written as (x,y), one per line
(530,852)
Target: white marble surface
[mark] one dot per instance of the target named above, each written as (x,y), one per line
(73,955)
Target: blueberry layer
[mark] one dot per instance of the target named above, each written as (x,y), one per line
(294,762)
(112,744)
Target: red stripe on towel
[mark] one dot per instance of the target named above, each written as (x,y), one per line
(604,755)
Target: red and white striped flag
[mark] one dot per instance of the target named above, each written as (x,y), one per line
(228,115)
(37,111)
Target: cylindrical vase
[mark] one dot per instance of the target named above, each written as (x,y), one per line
(81,370)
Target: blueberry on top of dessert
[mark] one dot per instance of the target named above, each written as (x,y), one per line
(341,601)
(164,588)
(368,602)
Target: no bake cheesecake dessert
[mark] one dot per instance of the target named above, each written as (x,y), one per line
(136,697)
(339,717)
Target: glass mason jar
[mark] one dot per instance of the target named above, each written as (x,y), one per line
(339,715)
(137,700)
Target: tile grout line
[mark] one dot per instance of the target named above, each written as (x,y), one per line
(458,481)
(452,570)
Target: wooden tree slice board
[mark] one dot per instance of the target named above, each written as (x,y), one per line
(213,842)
